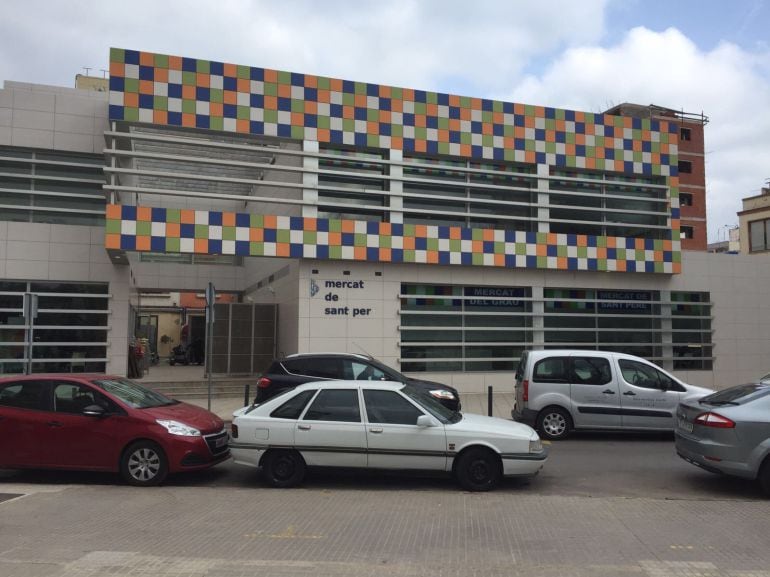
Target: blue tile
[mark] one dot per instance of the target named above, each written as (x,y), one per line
(372,253)
(174,118)
(284,104)
(348,239)
(257,74)
(128,212)
(201,121)
(284,130)
(297,79)
(117,83)
(230,83)
(296,223)
(296,250)
(127,242)
(146,101)
(256,127)
(116,112)
(243,220)
(131,57)
(242,248)
(175,91)
(215,246)
(257,101)
(158,244)
(189,65)
(311,94)
(186,230)
(270,235)
(215,218)
(216,68)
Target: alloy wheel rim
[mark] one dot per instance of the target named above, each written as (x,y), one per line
(554,424)
(144,464)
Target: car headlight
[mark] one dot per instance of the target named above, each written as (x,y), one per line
(442,394)
(535,446)
(177,428)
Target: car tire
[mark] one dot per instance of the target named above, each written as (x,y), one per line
(144,464)
(764,476)
(554,423)
(283,468)
(478,470)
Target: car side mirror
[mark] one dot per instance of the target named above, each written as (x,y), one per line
(94,411)
(425,421)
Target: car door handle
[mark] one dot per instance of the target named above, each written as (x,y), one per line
(630,394)
(375,430)
(608,392)
(54,424)
(303,427)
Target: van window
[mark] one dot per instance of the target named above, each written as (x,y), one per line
(647,377)
(591,371)
(551,370)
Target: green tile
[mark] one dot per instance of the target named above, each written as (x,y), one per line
(256,248)
(443,148)
(497,106)
(420,133)
(216,95)
(348,99)
(359,88)
(284,77)
(201,231)
(396,130)
(324,83)
(257,221)
(542,262)
(443,123)
(373,140)
(228,233)
(243,112)
(283,235)
(529,110)
(298,132)
(582,252)
(477,259)
(487,140)
(420,108)
(160,60)
(131,85)
(188,106)
(621,254)
(397,93)
(431,97)
(550,124)
(335,225)
(550,147)
(323,122)
(408,230)
(359,239)
(509,154)
(112,226)
(117,55)
(271,89)
(408,256)
(466,138)
(335,252)
(243,72)
(131,114)
(172,215)
(508,130)
(487,116)
(477,234)
(297,105)
(160,103)
(431,244)
(455,245)
(372,115)
(189,78)
(386,241)
(520,248)
(172,244)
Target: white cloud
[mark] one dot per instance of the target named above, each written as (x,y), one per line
(729,85)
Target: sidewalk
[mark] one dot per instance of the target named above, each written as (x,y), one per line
(471,403)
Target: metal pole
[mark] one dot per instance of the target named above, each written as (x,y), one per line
(489,400)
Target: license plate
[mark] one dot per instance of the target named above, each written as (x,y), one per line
(220,442)
(685,425)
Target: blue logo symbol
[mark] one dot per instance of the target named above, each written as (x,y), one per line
(313,288)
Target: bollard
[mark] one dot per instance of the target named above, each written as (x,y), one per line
(246,396)
(489,400)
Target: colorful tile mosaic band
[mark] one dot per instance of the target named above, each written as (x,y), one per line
(177,91)
(147,229)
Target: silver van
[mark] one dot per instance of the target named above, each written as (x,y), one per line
(561,390)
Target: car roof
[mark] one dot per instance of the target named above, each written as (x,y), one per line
(67,376)
(390,385)
(585,352)
(347,355)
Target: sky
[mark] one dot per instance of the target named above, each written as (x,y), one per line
(697,56)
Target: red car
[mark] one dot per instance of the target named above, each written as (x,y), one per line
(104,423)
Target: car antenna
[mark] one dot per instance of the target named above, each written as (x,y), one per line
(364,350)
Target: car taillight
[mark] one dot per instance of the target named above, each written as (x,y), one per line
(234,431)
(263,383)
(714,420)
(525,385)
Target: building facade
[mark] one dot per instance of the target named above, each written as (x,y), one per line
(443,234)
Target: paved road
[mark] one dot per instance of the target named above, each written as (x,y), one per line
(604,506)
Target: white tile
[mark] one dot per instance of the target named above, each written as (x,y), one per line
(32,119)
(71,253)
(27,231)
(70,104)
(32,138)
(68,271)
(74,123)
(6,116)
(28,250)
(74,142)
(26,269)
(72,233)
(5,135)
(34,100)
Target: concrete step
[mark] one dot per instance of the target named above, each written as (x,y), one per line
(182,390)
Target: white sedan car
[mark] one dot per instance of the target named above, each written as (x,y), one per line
(379,425)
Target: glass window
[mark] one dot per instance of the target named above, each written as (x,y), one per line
(390,407)
(32,395)
(293,408)
(647,377)
(321,367)
(551,370)
(335,405)
(74,398)
(759,233)
(366,372)
(591,371)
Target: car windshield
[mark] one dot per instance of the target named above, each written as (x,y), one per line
(737,395)
(431,405)
(134,394)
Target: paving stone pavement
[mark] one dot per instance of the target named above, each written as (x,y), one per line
(103,530)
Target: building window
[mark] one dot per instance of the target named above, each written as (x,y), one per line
(685,166)
(350,184)
(691,332)
(685,134)
(685,199)
(759,235)
(686,232)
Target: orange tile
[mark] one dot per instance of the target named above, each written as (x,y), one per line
(271,103)
(174,62)
(348,226)
(242,126)
(284,90)
(569,149)
(611,242)
(420,231)
(529,121)
(335,84)
(499,260)
(396,105)
(540,111)
(348,112)
(114,212)
(216,109)
(667,245)
(323,134)
(518,109)
(432,257)
(270,221)
(188,92)
(620,265)
(283,249)
(550,136)
(601,252)
(131,99)
(580,138)
(161,75)
(311,107)
(551,239)
(455,233)
(188,120)
(443,135)
(256,234)
(590,162)
(420,120)
(117,69)
(243,85)
(408,94)
(297,119)
(359,253)
(486,128)
(201,246)
(599,152)
(112,241)
(561,262)
(202,80)
(475,103)
(386,229)
(580,116)
(360,100)
(431,109)
(560,125)
(519,131)
(324,96)
(488,235)
(335,239)
(372,128)
(270,75)
(146,59)
(677,268)
(187,216)
(465,114)
(173,230)
(143,243)
(477,246)
(228,219)
(530,156)
(385,116)
(310,224)
(385,255)
(311,81)
(454,100)
(144,213)
(420,146)
(384,91)
(466,149)
(454,124)
(408,243)
(396,143)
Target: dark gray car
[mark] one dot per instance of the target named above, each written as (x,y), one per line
(728,432)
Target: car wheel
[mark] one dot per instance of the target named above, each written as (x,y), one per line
(144,464)
(478,470)
(554,423)
(764,476)
(283,468)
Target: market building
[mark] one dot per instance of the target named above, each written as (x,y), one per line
(443,234)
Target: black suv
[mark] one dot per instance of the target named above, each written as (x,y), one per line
(302,368)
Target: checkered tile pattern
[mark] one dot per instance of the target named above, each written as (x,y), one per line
(177,91)
(208,232)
